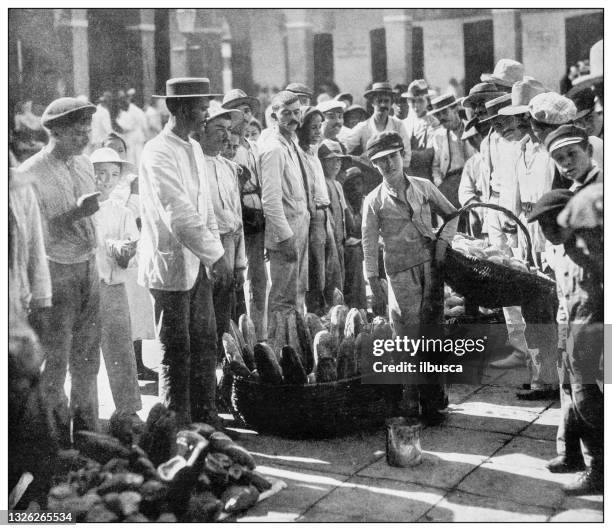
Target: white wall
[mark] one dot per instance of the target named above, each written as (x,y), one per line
(352,58)
(268,53)
(443,51)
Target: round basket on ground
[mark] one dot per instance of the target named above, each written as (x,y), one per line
(314,411)
(493,285)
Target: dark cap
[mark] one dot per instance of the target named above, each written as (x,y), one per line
(66,111)
(565,136)
(384,143)
(553,201)
(584,99)
(481,92)
(299,88)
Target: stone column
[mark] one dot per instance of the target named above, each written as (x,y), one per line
(72,27)
(300,47)
(239,21)
(144,40)
(209,34)
(507,34)
(398,36)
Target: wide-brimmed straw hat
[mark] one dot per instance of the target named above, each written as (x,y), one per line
(383,87)
(188,87)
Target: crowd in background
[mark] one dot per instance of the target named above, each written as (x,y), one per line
(169,222)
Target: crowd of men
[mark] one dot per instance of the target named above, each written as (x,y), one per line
(218,220)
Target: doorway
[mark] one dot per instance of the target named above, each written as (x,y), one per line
(580,34)
(323,60)
(478,51)
(378,53)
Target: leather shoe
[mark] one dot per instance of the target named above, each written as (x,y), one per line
(510,362)
(563,465)
(587,482)
(539,394)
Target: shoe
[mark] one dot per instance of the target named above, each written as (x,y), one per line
(510,362)
(144,373)
(585,483)
(563,465)
(539,394)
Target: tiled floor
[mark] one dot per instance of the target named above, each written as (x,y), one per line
(484,464)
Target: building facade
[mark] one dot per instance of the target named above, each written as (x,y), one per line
(54,52)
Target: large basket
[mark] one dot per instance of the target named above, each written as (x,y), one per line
(314,411)
(493,285)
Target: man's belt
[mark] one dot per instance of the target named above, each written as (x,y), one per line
(494,195)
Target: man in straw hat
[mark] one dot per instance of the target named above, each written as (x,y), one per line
(399,211)
(420,126)
(381,97)
(449,152)
(222,181)
(181,252)
(247,156)
(64,183)
(505,74)
(287,204)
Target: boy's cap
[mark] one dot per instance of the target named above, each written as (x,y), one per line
(330,149)
(555,200)
(65,110)
(383,144)
(565,136)
(552,108)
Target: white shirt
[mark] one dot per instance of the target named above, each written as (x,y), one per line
(101,126)
(420,130)
(314,169)
(114,224)
(363,131)
(179,228)
(535,171)
(224,193)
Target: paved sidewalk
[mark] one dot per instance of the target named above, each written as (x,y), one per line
(485,463)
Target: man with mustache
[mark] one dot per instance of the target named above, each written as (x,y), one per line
(181,253)
(287,204)
(333,120)
(381,97)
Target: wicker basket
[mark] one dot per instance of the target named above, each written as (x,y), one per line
(314,411)
(493,285)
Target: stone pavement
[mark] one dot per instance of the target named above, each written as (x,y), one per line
(484,464)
